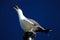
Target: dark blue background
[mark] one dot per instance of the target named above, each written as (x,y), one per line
(45,12)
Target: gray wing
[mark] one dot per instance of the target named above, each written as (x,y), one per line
(36,24)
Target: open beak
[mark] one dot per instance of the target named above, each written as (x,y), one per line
(16,7)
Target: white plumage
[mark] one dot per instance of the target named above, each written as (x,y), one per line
(26,23)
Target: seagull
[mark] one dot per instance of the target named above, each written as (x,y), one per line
(30,26)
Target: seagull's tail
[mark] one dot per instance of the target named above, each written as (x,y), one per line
(43,30)
(47,31)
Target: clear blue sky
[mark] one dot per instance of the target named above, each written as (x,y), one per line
(45,12)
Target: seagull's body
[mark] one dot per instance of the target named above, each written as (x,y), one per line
(26,23)
(30,26)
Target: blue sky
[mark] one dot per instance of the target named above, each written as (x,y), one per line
(45,12)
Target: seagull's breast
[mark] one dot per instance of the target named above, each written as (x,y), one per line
(26,26)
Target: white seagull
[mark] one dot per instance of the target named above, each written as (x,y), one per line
(29,25)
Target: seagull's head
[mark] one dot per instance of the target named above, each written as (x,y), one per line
(17,8)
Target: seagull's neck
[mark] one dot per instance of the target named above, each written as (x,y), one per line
(20,14)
